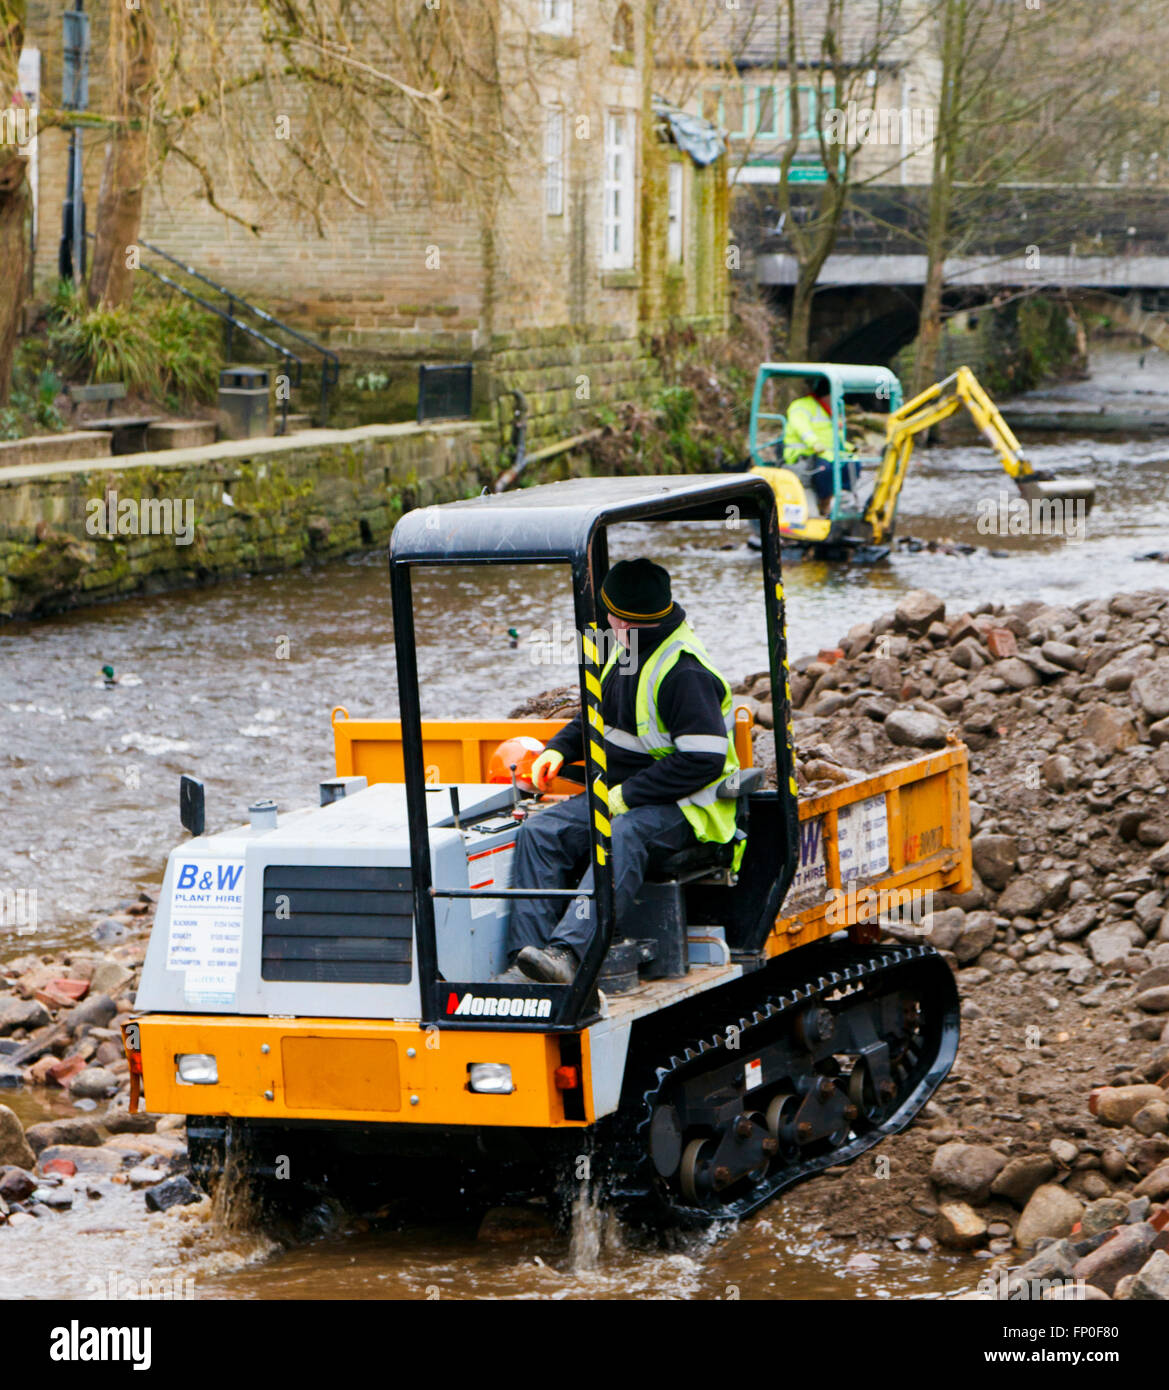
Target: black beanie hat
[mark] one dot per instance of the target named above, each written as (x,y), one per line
(637,591)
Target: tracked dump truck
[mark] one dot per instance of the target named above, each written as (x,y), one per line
(318,990)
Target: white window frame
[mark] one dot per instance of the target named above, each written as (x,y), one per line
(556,17)
(554,161)
(620,188)
(675,212)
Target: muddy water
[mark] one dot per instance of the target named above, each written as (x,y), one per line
(235,685)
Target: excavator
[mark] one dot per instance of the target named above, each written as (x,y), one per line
(319,995)
(862,531)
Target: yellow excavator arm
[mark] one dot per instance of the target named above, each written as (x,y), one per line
(934,405)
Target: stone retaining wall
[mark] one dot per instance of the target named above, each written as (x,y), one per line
(193,516)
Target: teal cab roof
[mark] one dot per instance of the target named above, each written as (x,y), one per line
(843,377)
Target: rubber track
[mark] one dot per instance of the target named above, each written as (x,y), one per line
(890,968)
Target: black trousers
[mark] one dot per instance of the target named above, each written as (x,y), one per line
(552,846)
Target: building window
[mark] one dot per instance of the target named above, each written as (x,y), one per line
(623,30)
(556,16)
(734,120)
(765,111)
(554,161)
(674,242)
(617,245)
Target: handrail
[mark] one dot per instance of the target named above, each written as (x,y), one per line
(289,356)
(330,363)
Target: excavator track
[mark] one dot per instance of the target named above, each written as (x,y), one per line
(811,1077)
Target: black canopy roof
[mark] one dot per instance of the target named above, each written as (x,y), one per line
(558,520)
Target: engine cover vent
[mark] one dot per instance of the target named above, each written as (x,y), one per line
(337,925)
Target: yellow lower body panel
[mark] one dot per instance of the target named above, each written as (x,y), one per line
(347,1069)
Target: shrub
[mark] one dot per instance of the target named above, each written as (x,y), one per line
(157,344)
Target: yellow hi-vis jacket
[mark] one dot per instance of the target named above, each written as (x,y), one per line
(808,431)
(710,818)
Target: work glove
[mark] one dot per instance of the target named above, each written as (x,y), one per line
(546,766)
(617,806)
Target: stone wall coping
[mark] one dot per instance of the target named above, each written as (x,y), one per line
(238,449)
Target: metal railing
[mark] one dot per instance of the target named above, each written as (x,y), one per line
(330,362)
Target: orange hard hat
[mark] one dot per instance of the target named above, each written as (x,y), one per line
(522,751)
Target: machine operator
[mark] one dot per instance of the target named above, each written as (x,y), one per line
(808,444)
(668,744)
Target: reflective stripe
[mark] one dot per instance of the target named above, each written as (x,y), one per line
(701,743)
(706,797)
(623,740)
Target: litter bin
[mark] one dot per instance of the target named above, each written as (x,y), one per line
(244,411)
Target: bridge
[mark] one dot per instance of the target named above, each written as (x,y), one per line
(1107,246)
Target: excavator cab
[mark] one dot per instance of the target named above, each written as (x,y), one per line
(875,389)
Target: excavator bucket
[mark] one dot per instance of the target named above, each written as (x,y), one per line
(1070,491)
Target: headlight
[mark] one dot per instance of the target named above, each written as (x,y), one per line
(196,1069)
(491,1078)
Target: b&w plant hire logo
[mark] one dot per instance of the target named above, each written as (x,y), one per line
(495,1006)
(77,1343)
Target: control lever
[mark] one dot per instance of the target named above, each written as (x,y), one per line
(455,807)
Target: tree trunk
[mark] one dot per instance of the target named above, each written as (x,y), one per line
(929,332)
(13,202)
(119,204)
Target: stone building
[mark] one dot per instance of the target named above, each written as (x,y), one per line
(612,226)
(889,52)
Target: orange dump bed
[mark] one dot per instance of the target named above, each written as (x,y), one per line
(878,845)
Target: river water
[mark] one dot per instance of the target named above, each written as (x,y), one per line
(235,684)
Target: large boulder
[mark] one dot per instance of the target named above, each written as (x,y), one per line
(917,610)
(995,857)
(1151,691)
(1123,1254)
(67,1131)
(1051,1211)
(912,728)
(1024,897)
(966,1171)
(14,1147)
(1017,673)
(97,1011)
(1110,944)
(84,1159)
(1021,1176)
(959,1226)
(94,1083)
(978,932)
(1108,728)
(22,1013)
(1118,1105)
(1073,923)
(1152,1281)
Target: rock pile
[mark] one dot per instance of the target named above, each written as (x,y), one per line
(1062,944)
(60,1034)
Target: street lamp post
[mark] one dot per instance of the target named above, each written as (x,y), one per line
(74,97)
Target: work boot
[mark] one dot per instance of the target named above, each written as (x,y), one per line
(548,965)
(513,975)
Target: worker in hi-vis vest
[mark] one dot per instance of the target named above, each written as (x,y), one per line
(808,444)
(668,744)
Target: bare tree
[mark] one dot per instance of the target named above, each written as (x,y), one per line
(123,184)
(14,199)
(1031,95)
